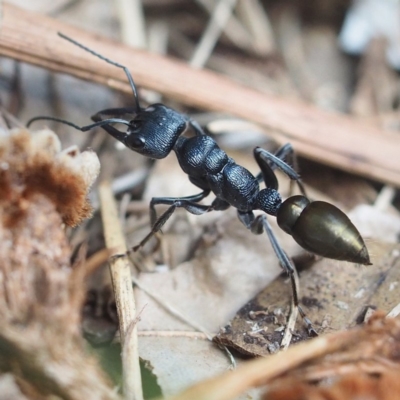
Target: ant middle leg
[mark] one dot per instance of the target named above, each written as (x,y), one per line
(189,203)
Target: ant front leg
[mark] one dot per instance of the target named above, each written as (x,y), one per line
(171,200)
(259,224)
(268,162)
(189,203)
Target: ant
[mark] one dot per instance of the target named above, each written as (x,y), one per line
(156,130)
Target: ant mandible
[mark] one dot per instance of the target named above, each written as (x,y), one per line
(155,131)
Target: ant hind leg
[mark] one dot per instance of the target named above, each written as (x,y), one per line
(259,224)
(268,162)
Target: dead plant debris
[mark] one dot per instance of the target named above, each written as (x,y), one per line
(41,294)
(277,64)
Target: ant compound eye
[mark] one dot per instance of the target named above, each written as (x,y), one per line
(136,143)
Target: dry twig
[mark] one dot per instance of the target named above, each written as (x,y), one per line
(123,292)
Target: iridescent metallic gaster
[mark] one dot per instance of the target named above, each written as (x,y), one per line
(323,229)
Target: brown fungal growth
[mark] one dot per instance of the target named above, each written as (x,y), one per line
(33,164)
(41,294)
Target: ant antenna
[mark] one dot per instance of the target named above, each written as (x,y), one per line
(127,73)
(79,128)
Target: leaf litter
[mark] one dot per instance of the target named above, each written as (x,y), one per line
(189,237)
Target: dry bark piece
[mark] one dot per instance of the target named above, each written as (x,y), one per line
(41,295)
(335,295)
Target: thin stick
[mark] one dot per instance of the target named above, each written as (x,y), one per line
(385,198)
(96,260)
(187,334)
(123,291)
(219,17)
(253,15)
(132,26)
(394,312)
(291,322)
(234,30)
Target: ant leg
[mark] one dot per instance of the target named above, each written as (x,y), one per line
(287,265)
(268,162)
(259,224)
(286,154)
(267,173)
(170,200)
(219,205)
(198,130)
(189,203)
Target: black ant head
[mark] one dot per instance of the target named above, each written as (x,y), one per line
(154,131)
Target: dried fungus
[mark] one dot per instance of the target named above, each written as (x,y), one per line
(41,294)
(33,164)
